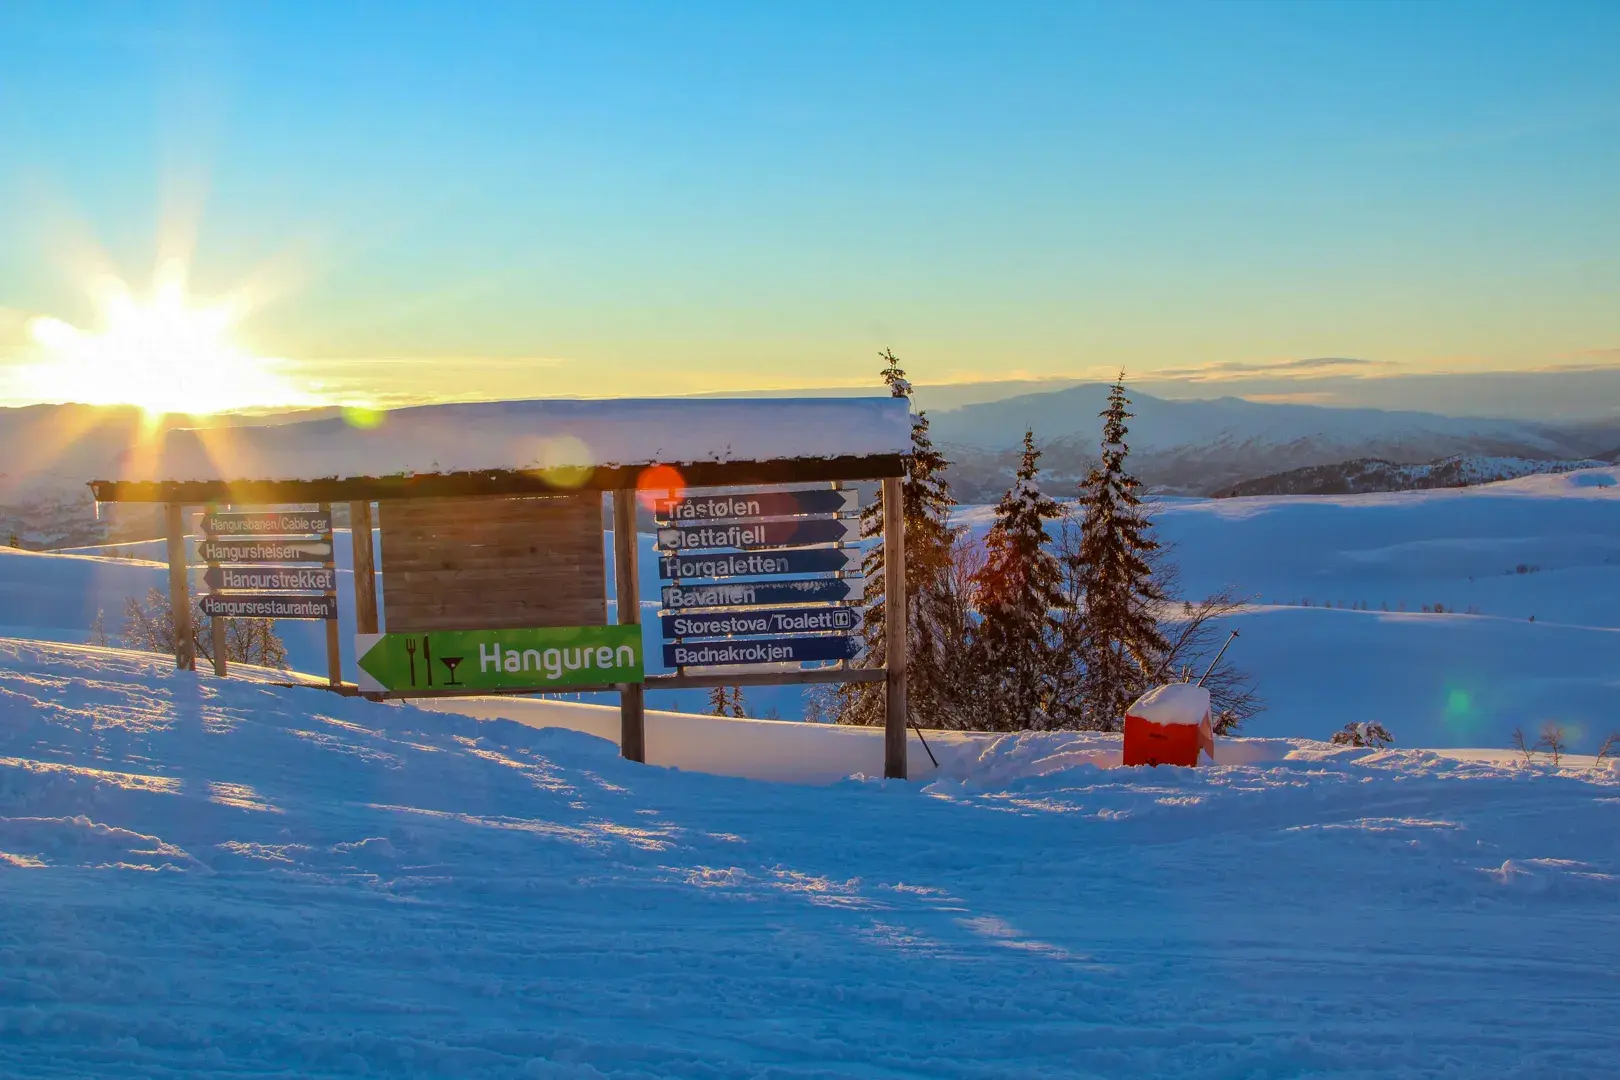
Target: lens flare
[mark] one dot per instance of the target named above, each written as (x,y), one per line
(659,481)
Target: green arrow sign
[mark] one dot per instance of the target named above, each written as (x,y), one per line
(552,658)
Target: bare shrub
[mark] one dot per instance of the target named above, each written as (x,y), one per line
(1553,740)
(1368,733)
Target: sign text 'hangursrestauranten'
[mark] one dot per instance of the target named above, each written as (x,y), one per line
(268,606)
(529,659)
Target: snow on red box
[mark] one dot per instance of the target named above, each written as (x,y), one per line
(1168,725)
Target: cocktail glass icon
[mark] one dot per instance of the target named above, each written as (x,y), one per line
(451,662)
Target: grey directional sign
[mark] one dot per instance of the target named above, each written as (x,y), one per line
(269,606)
(263,551)
(760,651)
(798,532)
(751,594)
(274,578)
(695,509)
(802,620)
(760,563)
(270,523)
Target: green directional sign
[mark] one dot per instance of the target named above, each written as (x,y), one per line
(553,658)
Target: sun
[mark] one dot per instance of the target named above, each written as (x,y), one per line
(165,355)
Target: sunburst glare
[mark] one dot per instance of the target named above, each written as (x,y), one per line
(165,354)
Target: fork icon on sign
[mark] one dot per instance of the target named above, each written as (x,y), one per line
(410,653)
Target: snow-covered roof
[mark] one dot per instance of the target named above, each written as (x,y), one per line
(1175,703)
(529,436)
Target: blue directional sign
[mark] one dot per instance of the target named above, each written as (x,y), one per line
(759,563)
(802,620)
(793,533)
(696,509)
(760,651)
(759,594)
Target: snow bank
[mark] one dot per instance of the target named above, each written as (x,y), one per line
(205,878)
(533,435)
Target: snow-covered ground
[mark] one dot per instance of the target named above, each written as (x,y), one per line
(226,878)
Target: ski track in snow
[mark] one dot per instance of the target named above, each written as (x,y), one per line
(234,879)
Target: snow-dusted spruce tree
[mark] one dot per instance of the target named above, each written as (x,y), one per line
(1116,634)
(927,509)
(1119,635)
(719,701)
(1018,592)
(150,626)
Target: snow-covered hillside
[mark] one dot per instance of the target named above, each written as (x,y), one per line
(1365,475)
(206,878)
(1544,546)
(1203,446)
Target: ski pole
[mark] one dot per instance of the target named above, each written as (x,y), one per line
(1217,659)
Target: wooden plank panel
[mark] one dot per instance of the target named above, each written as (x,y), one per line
(493,563)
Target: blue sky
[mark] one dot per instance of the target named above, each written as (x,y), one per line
(476,198)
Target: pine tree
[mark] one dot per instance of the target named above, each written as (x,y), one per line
(98,630)
(927,506)
(1018,590)
(1118,638)
(719,701)
(736,707)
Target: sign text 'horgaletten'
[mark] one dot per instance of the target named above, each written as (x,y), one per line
(759,563)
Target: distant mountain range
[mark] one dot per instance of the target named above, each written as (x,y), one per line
(1372,474)
(1201,447)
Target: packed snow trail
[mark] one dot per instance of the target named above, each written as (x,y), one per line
(205,877)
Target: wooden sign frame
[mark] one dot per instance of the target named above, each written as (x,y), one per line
(622,482)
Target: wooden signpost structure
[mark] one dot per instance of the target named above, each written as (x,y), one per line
(494,579)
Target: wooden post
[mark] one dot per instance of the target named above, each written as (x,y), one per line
(626,584)
(185,648)
(334,654)
(365,571)
(894,628)
(216,644)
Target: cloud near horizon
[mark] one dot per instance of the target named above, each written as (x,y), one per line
(1235,369)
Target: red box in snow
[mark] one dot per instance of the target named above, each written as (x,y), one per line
(1168,725)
